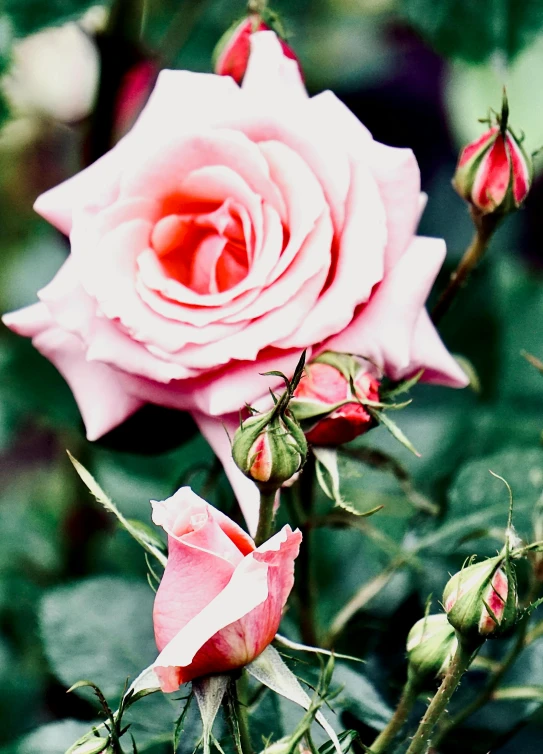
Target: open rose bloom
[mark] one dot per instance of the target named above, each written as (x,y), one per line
(220,600)
(230,229)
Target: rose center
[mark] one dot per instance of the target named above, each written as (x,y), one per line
(205,251)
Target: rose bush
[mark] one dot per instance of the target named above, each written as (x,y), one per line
(220,600)
(231,228)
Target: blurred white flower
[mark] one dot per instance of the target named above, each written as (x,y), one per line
(54,74)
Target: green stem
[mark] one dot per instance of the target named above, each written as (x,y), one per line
(265,517)
(397,721)
(485,226)
(242,716)
(438,705)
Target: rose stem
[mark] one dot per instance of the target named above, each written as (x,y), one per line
(438,705)
(265,517)
(242,716)
(396,722)
(485,225)
(306,580)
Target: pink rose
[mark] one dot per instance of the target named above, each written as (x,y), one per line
(231,228)
(220,601)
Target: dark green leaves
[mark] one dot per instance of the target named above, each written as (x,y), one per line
(476,29)
(100,629)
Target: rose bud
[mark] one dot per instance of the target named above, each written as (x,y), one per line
(431,645)
(220,600)
(494,173)
(270,449)
(481,600)
(232,52)
(330,411)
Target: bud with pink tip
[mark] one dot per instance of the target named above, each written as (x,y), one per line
(494,173)
(481,600)
(329,401)
(231,54)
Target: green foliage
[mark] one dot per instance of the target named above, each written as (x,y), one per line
(360,697)
(99,629)
(476,29)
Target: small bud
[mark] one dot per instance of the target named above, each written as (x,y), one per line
(232,52)
(270,449)
(329,399)
(431,645)
(481,600)
(494,173)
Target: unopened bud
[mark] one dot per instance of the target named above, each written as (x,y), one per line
(494,173)
(329,401)
(481,600)
(232,52)
(431,645)
(270,449)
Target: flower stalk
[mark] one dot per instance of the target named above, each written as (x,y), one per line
(397,721)
(485,225)
(460,663)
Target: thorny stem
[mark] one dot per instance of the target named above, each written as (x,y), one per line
(397,721)
(438,705)
(265,517)
(485,226)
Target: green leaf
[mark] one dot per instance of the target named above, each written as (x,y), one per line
(329,480)
(29,16)
(48,739)
(395,431)
(475,490)
(100,629)
(141,533)
(474,30)
(361,698)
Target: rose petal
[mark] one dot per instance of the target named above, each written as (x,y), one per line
(428,352)
(270,74)
(99,391)
(382,332)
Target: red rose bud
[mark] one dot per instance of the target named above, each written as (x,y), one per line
(494,173)
(431,645)
(232,52)
(329,399)
(481,600)
(270,449)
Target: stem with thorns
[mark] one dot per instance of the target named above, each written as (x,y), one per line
(460,663)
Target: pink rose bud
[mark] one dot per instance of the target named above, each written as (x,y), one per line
(481,599)
(270,449)
(494,173)
(232,52)
(329,399)
(134,92)
(220,601)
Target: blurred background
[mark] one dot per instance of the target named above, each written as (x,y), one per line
(74,601)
